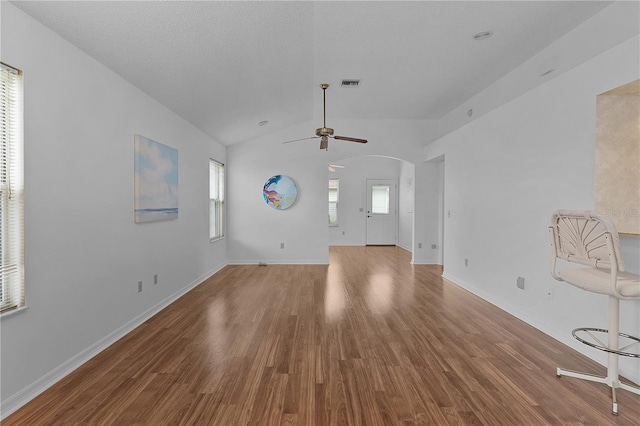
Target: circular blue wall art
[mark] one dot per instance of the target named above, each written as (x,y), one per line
(280,192)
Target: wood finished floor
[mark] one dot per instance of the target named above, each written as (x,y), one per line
(368,340)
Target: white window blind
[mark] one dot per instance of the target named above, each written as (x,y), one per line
(216,200)
(380,199)
(11,190)
(333,201)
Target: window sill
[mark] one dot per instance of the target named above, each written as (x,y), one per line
(12,312)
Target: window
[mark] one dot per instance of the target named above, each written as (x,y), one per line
(333,202)
(11,190)
(380,199)
(216,200)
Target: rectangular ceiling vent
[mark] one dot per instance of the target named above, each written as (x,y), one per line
(350,83)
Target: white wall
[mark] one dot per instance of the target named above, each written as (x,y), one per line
(427,208)
(506,172)
(255,230)
(84,254)
(406,203)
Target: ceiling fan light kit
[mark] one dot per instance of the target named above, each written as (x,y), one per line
(324,132)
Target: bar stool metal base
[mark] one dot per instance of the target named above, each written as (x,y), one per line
(611,379)
(600,379)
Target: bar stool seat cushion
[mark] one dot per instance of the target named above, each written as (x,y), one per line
(598,280)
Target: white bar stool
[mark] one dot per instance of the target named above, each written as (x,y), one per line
(590,239)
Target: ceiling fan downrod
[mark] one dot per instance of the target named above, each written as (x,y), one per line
(324,130)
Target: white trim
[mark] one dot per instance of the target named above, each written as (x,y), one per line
(405,248)
(17,400)
(425,262)
(13,312)
(9,68)
(279,262)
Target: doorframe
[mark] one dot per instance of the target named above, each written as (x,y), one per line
(441,209)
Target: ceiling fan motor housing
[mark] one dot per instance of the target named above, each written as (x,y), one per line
(324,131)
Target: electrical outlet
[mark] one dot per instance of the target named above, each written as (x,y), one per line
(281,245)
(434,246)
(520,283)
(139,286)
(466,263)
(419,245)
(343,232)
(155,279)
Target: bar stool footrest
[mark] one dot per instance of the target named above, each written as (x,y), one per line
(600,346)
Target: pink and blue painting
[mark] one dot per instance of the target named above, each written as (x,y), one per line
(156,180)
(280,192)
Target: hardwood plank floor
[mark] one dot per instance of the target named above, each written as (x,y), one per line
(367,340)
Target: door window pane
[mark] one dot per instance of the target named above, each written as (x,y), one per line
(380,199)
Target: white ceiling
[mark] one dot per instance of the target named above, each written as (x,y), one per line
(225,66)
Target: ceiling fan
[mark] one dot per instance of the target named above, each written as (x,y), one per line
(324,132)
(333,167)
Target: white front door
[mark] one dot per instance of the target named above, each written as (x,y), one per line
(382,214)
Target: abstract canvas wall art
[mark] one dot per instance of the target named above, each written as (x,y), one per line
(280,192)
(156,180)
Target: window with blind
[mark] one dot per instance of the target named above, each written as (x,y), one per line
(380,199)
(333,201)
(11,190)
(216,200)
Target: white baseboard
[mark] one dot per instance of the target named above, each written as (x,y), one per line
(425,262)
(279,262)
(559,335)
(14,402)
(409,249)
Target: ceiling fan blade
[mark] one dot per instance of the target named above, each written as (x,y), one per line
(346,138)
(303,139)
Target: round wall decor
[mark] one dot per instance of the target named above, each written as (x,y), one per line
(280,192)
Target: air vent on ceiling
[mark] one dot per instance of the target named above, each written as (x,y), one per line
(350,83)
